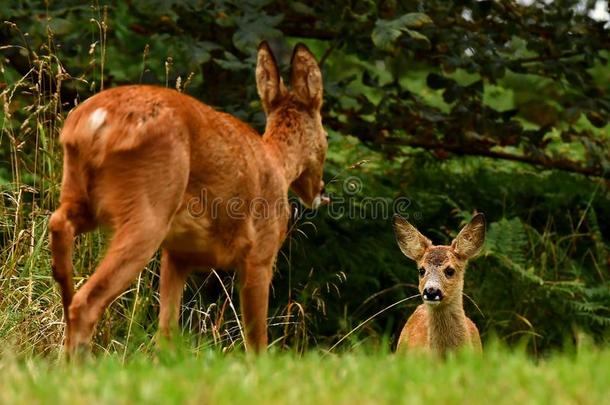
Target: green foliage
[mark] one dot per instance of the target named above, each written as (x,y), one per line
(507,240)
(456,106)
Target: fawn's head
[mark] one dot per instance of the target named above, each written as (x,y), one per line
(441,268)
(293,117)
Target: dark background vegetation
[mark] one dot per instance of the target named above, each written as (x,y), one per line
(455,106)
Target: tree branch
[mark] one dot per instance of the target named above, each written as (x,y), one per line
(474,150)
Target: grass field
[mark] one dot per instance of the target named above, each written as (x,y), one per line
(498,377)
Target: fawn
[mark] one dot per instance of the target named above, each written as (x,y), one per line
(440,324)
(163,170)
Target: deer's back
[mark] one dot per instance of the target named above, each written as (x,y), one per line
(224,161)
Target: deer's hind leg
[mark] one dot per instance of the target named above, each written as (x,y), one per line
(140,196)
(71,218)
(173,278)
(130,250)
(68,221)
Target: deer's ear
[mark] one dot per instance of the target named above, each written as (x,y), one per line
(412,243)
(267,76)
(305,77)
(469,241)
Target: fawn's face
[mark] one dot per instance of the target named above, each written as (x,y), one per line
(295,117)
(441,268)
(441,275)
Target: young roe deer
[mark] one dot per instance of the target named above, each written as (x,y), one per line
(440,324)
(137,157)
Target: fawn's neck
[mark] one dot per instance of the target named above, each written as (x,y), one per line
(447,328)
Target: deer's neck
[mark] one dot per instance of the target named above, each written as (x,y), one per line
(447,329)
(286,144)
(288,154)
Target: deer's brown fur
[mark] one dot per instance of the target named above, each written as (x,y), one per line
(440,324)
(161,169)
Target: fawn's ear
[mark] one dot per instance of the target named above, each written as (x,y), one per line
(412,243)
(305,77)
(267,76)
(469,241)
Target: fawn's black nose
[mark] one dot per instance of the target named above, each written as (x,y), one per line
(432,294)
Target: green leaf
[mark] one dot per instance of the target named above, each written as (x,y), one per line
(199,52)
(417,36)
(61,26)
(386,32)
(596,119)
(255,28)
(384,35)
(302,8)
(230,62)
(415,20)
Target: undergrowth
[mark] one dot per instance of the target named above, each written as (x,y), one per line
(542,279)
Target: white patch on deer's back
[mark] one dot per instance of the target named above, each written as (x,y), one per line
(97,119)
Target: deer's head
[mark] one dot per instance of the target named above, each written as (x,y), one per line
(441,268)
(293,116)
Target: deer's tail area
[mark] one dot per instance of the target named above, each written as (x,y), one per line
(73,216)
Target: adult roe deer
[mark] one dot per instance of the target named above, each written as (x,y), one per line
(440,324)
(137,157)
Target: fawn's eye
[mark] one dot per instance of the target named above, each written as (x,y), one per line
(422,272)
(449,272)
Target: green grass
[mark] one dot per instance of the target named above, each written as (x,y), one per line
(499,376)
